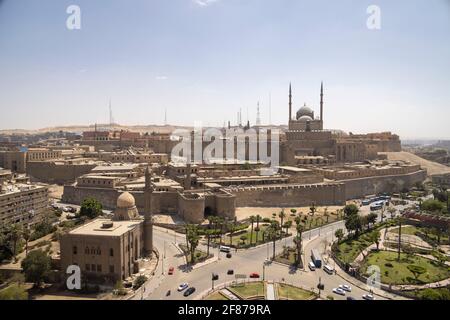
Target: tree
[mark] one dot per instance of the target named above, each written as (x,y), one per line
(312,209)
(15,234)
(371,219)
(252,221)
(416,270)
(91,208)
(243,238)
(287,225)
(339,234)
(353,223)
(193,239)
(433,206)
(298,242)
(140,280)
(392,211)
(326,214)
(272,232)
(257,229)
(351,209)
(375,237)
(26,236)
(36,266)
(293,211)
(439,256)
(282,215)
(209,233)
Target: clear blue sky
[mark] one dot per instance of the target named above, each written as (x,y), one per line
(203,60)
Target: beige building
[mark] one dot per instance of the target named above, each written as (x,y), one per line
(21,203)
(108,250)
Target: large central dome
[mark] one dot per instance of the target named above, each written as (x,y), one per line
(305,111)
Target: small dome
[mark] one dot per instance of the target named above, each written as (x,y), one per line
(305,111)
(125,200)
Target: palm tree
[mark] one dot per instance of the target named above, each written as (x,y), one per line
(258,218)
(313,209)
(326,214)
(287,226)
(298,242)
(193,239)
(209,233)
(281,215)
(252,221)
(231,229)
(26,236)
(15,233)
(272,231)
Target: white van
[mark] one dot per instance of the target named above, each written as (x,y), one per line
(225,249)
(312,266)
(328,269)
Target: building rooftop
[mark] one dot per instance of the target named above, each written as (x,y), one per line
(94,228)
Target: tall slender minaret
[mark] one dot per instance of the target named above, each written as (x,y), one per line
(290,102)
(321,102)
(148,221)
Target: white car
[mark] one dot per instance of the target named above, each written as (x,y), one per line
(346,287)
(339,291)
(312,266)
(183,286)
(368,297)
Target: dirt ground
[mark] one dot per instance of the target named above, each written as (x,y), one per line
(431,166)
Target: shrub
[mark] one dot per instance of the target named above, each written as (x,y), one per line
(388,264)
(140,280)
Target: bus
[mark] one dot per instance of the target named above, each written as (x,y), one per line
(316,258)
(328,269)
(225,249)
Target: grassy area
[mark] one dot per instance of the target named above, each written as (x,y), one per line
(287,259)
(286,291)
(249,289)
(350,249)
(216,296)
(199,254)
(430,294)
(423,233)
(236,239)
(396,272)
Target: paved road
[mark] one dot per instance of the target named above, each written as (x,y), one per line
(245,262)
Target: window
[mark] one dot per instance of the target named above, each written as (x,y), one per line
(74,249)
(86,250)
(92,250)
(99,251)
(99,268)
(93,267)
(111,252)
(88,267)
(111,269)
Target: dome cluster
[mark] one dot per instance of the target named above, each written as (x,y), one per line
(305,114)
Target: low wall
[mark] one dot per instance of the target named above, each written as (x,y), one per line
(290,196)
(360,187)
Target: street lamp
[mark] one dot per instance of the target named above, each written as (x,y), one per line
(264,270)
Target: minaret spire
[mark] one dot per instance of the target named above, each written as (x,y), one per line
(321,102)
(290,102)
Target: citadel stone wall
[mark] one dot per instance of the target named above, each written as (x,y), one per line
(290,195)
(50,172)
(360,187)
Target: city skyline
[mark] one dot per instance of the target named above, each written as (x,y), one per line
(206,60)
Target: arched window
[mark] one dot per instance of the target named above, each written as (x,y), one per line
(92,250)
(75,250)
(86,250)
(111,252)
(99,251)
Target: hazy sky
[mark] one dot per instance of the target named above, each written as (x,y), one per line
(205,59)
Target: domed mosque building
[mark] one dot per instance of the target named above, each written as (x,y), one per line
(107,250)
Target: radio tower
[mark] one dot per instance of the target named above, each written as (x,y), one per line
(258,116)
(111,118)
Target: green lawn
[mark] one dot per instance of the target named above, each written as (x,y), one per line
(236,239)
(399,273)
(249,289)
(406,230)
(349,250)
(422,233)
(216,296)
(286,291)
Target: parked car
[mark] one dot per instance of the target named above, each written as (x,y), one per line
(231,271)
(183,286)
(254,275)
(312,266)
(189,291)
(339,291)
(228,255)
(368,297)
(350,298)
(346,287)
(171,270)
